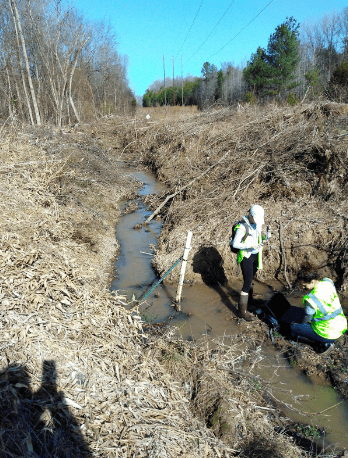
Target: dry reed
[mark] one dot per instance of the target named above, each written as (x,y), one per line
(291,160)
(78,374)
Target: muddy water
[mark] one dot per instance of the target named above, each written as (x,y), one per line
(211,311)
(307,400)
(134,272)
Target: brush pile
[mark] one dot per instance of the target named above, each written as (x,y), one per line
(291,160)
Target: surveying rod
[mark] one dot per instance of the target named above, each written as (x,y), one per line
(183,266)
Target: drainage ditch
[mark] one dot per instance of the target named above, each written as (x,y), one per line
(210,310)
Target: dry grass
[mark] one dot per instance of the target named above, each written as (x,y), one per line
(72,361)
(163,114)
(293,161)
(78,374)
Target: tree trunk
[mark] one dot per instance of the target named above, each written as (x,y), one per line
(21,70)
(77,52)
(17,21)
(9,95)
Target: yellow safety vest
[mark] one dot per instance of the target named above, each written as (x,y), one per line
(241,252)
(328,321)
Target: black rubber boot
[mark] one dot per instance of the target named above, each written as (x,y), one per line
(324,348)
(305,340)
(242,306)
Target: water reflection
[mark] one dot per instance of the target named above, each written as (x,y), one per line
(208,262)
(308,400)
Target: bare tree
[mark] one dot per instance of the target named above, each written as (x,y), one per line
(19,34)
(55,66)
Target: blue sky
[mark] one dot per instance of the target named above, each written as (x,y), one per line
(197,30)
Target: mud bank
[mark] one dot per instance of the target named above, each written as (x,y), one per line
(290,160)
(95,374)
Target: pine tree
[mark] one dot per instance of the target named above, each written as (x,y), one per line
(272,71)
(219,85)
(338,85)
(283,55)
(208,70)
(258,71)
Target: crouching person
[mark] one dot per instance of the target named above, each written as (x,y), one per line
(324,321)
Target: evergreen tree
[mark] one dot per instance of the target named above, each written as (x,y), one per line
(208,69)
(219,86)
(272,71)
(338,85)
(340,75)
(283,55)
(258,71)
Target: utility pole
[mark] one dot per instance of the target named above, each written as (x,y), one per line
(164,81)
(182,86)
(173,85)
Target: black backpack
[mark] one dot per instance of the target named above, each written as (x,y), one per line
(235,250)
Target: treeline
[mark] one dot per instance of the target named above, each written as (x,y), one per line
(298,62)
(56,67)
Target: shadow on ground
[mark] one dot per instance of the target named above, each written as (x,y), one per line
(208,262)
(37,424)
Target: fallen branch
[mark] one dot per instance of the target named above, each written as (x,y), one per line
(242,181)
(308,88)
(283,254)
(184,187)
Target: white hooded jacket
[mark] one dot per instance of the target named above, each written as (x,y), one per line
(253,238)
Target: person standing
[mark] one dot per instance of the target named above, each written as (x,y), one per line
(324,321)
(248,240)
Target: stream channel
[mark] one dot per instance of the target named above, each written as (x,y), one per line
(207,310)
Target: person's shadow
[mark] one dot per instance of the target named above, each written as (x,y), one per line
(37,424)
(208,262)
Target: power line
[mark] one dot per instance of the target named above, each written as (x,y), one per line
(189,29)
(211,31)
(242,29)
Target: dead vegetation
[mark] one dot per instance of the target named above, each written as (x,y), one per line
(78,374)
(291,160)
(74,378)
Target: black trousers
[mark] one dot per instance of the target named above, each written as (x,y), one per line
(249,269)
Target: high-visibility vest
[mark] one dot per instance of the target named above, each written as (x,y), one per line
(241,252)
(328,321)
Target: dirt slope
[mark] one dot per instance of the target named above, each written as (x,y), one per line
(292,161)
(78,374)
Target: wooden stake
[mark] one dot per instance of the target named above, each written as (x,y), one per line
(183,267)
(283,253)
